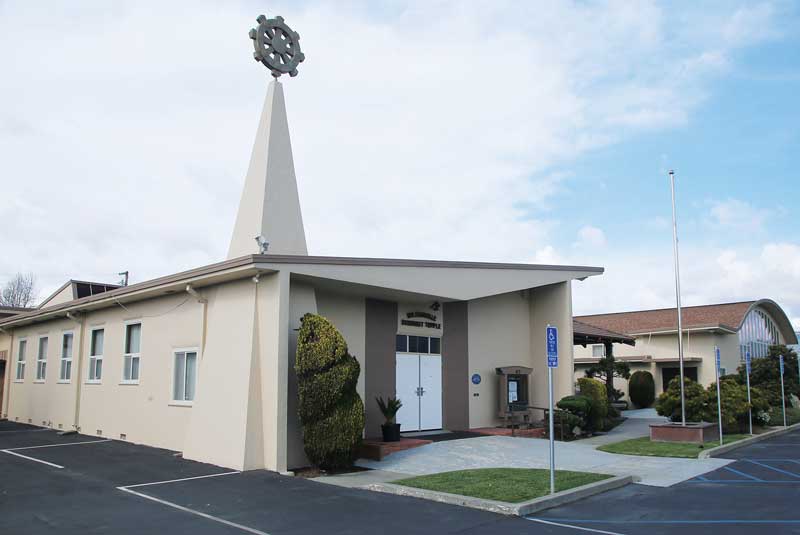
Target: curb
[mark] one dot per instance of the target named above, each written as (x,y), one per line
(506,508)
(725,448)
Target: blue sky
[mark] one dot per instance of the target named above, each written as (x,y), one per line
(498,131)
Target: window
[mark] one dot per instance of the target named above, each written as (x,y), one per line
(41,360)
(401,343)
(65,374)
(418,344)
(133,337)
(21,360)
(598,350)
(184,375)
(96,355)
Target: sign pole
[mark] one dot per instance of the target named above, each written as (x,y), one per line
(747,369)
(551,335)
(719,396)
(783,392)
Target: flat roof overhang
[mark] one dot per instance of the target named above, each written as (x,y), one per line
(443,280)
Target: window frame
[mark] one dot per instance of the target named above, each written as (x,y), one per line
(96,358)
(602,350)
(41,363)
(21,362)
(125,355)
(62,360)
(175,352)
(416,339)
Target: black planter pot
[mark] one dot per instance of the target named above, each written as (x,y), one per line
(391,432)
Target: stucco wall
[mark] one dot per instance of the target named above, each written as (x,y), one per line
(142,412)
(498,335)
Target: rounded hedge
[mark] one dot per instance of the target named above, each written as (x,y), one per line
(642,389)
(596,391)
(330,410)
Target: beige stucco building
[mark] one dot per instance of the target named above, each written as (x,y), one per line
(733,327)
(202,361)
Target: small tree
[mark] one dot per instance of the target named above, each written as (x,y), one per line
(642,389)
(606,369)
(765,374)
(669,402)
(331,411)
(20,291)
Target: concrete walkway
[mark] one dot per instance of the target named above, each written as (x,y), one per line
(637,425)
(497,452)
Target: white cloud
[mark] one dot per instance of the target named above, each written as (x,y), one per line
(638,279)
(736,214)
(428,130)
(591,237)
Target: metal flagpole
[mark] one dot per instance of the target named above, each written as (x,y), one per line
(719,397)
(747,369)
(677,292)
(783,392)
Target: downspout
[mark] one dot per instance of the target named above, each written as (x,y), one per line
(7,387)
(203,301)
(79,375)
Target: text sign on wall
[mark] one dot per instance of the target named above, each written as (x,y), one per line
(552,347)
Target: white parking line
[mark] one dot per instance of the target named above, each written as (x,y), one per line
(26,430)
(57,445)
(177,480)
(579,528)
(193,512)
(32,459)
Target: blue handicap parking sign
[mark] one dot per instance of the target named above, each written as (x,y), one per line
(552,347)
(717,358)
(781,361)
(747,362)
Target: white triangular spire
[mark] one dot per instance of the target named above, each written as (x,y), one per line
(270,205)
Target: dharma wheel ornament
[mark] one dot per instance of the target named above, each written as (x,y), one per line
(276,46)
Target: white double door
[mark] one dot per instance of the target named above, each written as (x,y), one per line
(419,387)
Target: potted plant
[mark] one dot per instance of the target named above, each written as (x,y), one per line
(389,408)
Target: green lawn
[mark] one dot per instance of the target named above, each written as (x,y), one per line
(643,446)
(504,484)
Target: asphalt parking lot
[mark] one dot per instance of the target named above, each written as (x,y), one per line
(758,493)
(79,484)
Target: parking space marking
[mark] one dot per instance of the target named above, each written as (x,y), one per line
(177,480)
(58,445)
(32,458)
(26,430)
(737,472)
(758,463)
(579,528)
(193,512)
(556,521)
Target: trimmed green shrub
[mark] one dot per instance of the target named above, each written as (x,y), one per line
(580,406)
(765,374)
(642,389)
(669,402)
(564,424)
(331,411)
(596,392)
(734,405)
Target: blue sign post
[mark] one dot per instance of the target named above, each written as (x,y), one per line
(783,392)
(747,369)
(719,397)
(551,335)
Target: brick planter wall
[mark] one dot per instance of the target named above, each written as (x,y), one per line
(694,433)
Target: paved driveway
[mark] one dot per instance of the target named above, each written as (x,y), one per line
(757,493)
(495,452)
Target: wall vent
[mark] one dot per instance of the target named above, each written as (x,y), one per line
(60,426)
(123,436)
(99,432)
(30,420)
